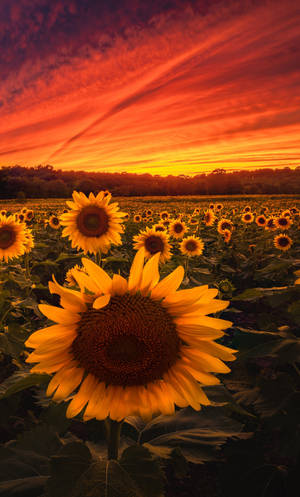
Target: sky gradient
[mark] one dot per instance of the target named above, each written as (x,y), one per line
(163,87)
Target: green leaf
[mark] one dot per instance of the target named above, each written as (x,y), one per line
(41,440)
(21,381)
(32,486)
(144,470)
(294,310)
(66,468)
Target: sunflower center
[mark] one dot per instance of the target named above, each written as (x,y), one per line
(55,220)
(178,228)
(92,221)
(225,225)
(132,341)
(283,221)
(283,242)
(7,237)
(191,245)
(154,244)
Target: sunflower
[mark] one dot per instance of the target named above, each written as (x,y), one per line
(149,212)
(126,216)
(252,247)
(137,218)
(153,241)
(29,243)
(283,242)
(164,215)
(283,223)
(21,217)
(3,212)
(12,238)
(270,224)
(209,218)
(193,220)
(177,229)
(211,206)
(219,207)
(247,208)
(286,213)
(165,223)
(29,215)
(54,222)
(192,245)
(24,210)
(71,275)
(227,235)
(248,218)
(196,211)
(224,224)
(92,223)
(135,347)
(261,220)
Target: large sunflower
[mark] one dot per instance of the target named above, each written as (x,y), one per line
(283,223)
(132,348)
(92,223)
(153,241)
(13,240)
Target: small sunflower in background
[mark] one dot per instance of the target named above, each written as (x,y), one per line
(149,212)
(270,224)
(29,241)
(71,275)
(247,208)
(3,212)
(286,213)
(150,220)
(227,235)
(283,242)
(219,207)
(177,229)
(193,221)
(92,223)
(165,223)
(209,218)
(191,246)
(24,210)
(29,215)
(159,227)
(136,347)
(153,242)
(164,215)
(12,238)
(283,223)
(54,222)
(126,216)
(196,211)
(251,248)
(224,224)
(137,218)
(211,206)
(248,218)
(21,217)
(261,220)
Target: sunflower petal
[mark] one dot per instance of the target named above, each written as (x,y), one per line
(101,302)
(99,276)
(169,284)
(58,315)
(135,274)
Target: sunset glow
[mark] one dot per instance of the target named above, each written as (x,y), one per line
(183,89)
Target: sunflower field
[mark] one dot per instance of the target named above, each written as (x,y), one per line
(150,346)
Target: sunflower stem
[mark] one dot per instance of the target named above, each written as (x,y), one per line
(113,432)
(27,269)
(98,258)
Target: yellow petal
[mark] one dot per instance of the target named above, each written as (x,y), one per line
(135,274)
(207,362)
(70,299)
(98,275)
(82,397)
(59,315)
(54,332)
(101,301)
(218,324)
(169,284)
(119,285)
(150,276)
(188,296)
(71,379)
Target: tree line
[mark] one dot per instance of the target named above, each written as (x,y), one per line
(46,181)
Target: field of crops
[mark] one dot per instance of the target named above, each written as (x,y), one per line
(245,440)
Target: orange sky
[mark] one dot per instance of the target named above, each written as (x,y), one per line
(184,94)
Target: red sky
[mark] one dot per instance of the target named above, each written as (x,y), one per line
(181,87)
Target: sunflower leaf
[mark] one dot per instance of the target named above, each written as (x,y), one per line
(21,381)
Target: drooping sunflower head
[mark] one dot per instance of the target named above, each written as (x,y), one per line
(283,223)
(54,222)
(209,218)
(191,246)
(92,223)
(224,224)
(71,275)
(177,229)
(227,235)
(29,215)
(261,220)
(136,347)
(270,224)
(12,238)
(164,215)
(283,242)
(153,242)
(248,218)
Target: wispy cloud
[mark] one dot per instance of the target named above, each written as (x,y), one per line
(176,89)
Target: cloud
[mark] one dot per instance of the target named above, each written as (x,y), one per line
(167,87)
